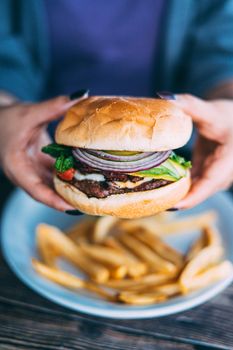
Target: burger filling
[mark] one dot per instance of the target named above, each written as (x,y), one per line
(101,174)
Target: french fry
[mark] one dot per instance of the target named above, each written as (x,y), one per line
(154,295)
(149,224)
(154,261)
(127,261)
(169,290)
(161,248)
(99,291)
(68,280)
(61,277)
(195,248)
(212,235)
(163,217)
(189,223)
(119,272)
(135,267)
(45,248)
(107,256)
(166,227)
(136,270)
(139,299)
(204,259)
(212,274)
(135,284)
(67,249)
(113,242)
(95,271)
(83,229)
(110,258)
(103,226)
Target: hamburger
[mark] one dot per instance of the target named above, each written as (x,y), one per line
(114,156)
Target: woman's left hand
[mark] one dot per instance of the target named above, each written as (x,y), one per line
(213,152)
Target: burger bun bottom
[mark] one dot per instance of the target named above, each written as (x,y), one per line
(128,205)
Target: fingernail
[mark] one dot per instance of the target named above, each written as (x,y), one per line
(172,209)
(73,212)
(166,95)
(79,93)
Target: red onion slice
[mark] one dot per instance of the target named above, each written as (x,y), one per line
(118,158)
(148,162)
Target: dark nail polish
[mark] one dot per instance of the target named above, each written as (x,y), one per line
(73,212)
(166,95)
(172,209)
(79,93)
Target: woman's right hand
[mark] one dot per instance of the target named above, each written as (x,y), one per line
(22,134)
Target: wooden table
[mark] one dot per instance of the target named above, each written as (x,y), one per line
(28,321)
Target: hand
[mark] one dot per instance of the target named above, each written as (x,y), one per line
(22,134)
(213,153)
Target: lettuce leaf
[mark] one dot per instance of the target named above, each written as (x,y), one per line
(174,168)
(63,155)
(180,160)
(63,163)
(55,150)
(159,172)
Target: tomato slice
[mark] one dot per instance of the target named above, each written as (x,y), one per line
(67,175)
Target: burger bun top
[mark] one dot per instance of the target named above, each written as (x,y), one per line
(124,123)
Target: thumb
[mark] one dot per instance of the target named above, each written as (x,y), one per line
(207,115)
(47,111)
(201,111)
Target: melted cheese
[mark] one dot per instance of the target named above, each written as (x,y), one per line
(99,177)
(95,177)
(130,184)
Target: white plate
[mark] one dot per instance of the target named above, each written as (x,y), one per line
(20,218)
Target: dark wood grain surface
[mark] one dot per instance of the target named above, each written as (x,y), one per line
(28,321)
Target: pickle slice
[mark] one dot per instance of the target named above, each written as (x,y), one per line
(122,153)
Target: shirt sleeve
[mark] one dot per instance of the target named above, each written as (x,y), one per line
(208,57)
(20,74)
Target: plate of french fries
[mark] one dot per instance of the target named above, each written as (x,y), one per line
(121,268)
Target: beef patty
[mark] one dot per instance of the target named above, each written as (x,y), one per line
(109,175)
(104,189)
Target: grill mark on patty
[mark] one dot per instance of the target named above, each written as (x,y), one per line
(104,189)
